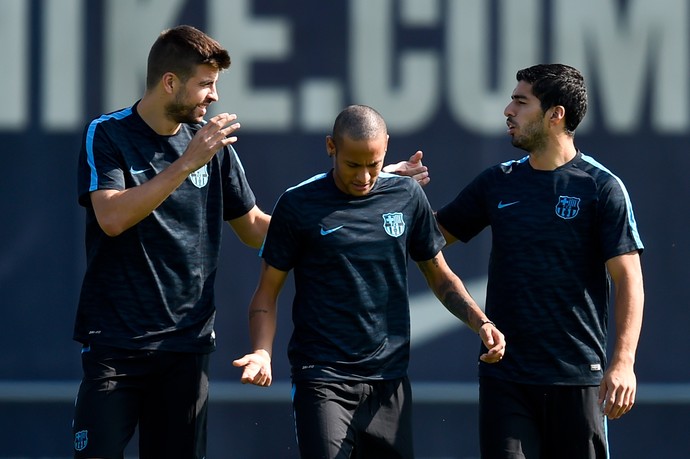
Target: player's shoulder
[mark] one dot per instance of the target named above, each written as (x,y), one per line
(598,172)
(307,185)
(502,172)
(113,118)
(114,125)
(508,167)
(592,166)
(389,180)
(301,197)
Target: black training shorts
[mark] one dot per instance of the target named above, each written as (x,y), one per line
(354,419)
(518,421)
(165,393)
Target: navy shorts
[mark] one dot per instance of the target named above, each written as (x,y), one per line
(371,419)
(518,421)
(164,393)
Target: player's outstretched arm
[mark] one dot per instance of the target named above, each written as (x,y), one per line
(262,327)
(413,167)
(452,293)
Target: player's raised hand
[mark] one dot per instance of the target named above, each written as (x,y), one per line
(257,368)
(213,136)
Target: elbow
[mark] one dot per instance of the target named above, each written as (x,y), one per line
(253,241)
(112,231)
(251,228)
(112,227)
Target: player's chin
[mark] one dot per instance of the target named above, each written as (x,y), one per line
(360,190)
(197,115)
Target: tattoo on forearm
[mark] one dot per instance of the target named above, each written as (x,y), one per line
(455,302)
(451,292)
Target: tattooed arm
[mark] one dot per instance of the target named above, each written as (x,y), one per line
(262,327)
(452,293)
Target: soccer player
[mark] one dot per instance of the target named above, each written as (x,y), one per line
(157,183)
(347,235)
(562,227)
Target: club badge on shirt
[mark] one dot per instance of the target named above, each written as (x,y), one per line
(200,176)
(81,440)
(567,207)
(394,224)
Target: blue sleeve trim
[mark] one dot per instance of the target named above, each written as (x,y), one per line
(93,182)
(628,203)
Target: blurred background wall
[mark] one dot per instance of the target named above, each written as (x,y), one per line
(441,72)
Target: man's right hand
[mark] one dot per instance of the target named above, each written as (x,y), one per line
(213,136)
(413,167)
(257,368)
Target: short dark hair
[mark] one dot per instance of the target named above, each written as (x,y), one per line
(358,122)
(558,84)
(180,50)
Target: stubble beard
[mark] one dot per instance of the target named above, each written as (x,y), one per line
(180,112)
(533,139)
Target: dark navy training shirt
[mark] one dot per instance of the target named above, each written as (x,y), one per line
(152,286)
(548,289)
(349,255)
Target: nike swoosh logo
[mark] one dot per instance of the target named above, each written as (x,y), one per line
(134,171)
(502,204)
(325,231)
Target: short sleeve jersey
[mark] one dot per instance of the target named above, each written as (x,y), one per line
(349,254)
(548,288)
(151,287)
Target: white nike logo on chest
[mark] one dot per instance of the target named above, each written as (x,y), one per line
(134,171)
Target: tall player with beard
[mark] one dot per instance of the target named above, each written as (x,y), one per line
(157,183)
(562,229)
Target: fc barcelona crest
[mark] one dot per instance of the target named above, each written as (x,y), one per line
(81,439)
(567,207)
(200,176)
(394,224)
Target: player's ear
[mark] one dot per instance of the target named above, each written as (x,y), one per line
(330,146)
(557,113)
(169,81)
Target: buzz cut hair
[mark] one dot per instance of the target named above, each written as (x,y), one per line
(358,122)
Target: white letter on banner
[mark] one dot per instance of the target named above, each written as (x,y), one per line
(63,65)
(633,50)
(473,100)
(14,55)
(249,39)
(131,27)
(406,93)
